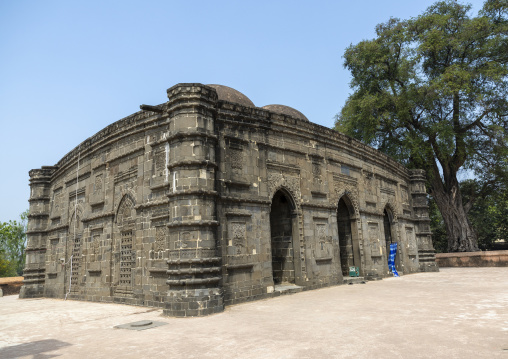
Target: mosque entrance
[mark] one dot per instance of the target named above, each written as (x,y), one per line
(281,230)
(390,238)
(348,244)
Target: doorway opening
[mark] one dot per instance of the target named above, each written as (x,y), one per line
(390,238)
(348,244)
(281,231)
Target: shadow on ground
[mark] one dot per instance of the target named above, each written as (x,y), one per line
(35,349)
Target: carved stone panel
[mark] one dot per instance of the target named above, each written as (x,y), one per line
(237,236)
(321,232)
(98,183)
(412,247)
(374,240)
(95,242)
(236,156)
(160,162)
(161,233)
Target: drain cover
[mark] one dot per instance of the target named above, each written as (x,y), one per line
(141,325)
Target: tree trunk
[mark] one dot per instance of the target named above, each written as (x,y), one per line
(461,236)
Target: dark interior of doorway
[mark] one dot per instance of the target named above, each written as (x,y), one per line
(281,228)
(345,237)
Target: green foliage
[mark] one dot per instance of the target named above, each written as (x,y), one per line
(432,92)
(6,267)
(488,212)
(12,246)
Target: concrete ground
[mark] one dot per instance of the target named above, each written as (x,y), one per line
(456,313)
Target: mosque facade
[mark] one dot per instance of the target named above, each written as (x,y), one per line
(207,200)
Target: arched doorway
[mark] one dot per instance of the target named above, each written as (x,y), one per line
(390,236)
(281,232)
(348,243)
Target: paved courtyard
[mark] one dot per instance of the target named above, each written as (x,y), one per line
(456,313)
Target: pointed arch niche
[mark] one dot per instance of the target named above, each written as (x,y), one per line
(124,249)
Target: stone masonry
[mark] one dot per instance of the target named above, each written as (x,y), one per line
(207,200)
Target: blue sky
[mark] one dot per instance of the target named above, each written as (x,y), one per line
(70,68)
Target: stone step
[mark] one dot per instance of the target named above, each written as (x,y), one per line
(287,288)
(354,280)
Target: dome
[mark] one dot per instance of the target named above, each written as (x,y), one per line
(231,95)
(286,110)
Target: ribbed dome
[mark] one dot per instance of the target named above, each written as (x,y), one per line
(286,110)
(229,94)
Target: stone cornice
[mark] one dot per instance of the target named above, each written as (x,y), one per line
(192,192)
(98,216)
(188,163)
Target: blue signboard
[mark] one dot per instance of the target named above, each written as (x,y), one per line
(391,259)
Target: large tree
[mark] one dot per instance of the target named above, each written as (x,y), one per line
(432,91)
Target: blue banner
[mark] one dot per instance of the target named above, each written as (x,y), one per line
(391,259)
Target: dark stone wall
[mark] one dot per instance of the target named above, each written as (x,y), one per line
(179,208)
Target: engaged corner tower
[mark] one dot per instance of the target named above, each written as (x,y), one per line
(194,263)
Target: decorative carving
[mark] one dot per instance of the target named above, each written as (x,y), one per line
(125,209)
(98,183)
(96,240)
(238,234)
(277,181)
(375,247)
(160,238)
(95,245)
(183,240)
(346,189)
(393,208)
(75,224)
(57,199)
(236,156)
(126,212)
(316,169)
(321,232)
(160,162)
(404,195)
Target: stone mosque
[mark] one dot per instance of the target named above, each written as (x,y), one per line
(206,201)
